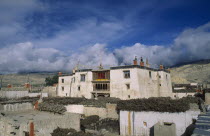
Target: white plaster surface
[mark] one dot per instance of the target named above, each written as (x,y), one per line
(137,119)
(141,84)
(16,107)
(13,94)
(180,95)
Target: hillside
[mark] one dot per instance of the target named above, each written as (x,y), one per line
(195,72)
(198,71)
(19,79)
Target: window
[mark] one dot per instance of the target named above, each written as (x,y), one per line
(79,88)
(128,86)
(127,74)
(66,94)
(82,79)
(150,74)
(166,76)
(62,88)
(62,80)
(101,75)
(129,96)
(101,86)
(160,84)
(145,124)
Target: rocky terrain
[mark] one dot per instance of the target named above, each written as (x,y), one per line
(196,72)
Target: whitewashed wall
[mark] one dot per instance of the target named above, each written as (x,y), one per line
(108,112)
(85,87)
(66,85)
(38,94)
(132,123)
(16,107)
(71,86)
(13,94)
(75,109)
(180,95)
(141,84)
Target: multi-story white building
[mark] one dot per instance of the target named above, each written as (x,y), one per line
(124,82)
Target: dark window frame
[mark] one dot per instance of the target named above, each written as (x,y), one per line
(82,78)
(128,86)
(126,74)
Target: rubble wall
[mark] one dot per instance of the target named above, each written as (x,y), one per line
(38,94)
(108,112)
(51,90)
(42,126)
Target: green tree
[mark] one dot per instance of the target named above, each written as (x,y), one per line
(51,80)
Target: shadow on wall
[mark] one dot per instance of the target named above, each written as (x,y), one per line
(189,130)
(152,131)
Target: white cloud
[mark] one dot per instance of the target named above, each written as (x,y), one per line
(25,57)
(190,45)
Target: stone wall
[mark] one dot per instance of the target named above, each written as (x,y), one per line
(16,107)
(44,123)
(108,112)
(13,94)
(51,90)
(20,94)
(161,129)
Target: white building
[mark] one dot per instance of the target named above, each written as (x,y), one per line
(139,123)
(124,82)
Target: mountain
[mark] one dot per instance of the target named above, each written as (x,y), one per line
(19,79)
(191,72)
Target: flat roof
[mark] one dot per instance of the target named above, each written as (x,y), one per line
(138,66)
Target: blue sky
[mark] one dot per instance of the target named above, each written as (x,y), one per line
(48,35)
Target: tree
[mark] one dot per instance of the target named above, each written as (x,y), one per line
(51,80)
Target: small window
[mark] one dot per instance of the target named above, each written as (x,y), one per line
(82,79)
(62,80)
(159,84)
(78,88)
(66,94)
(101,87)
(145,124)
(128,86)
(62,88)
(166,76)
(127,74)
(159,76)
(129,96)
(150,74)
